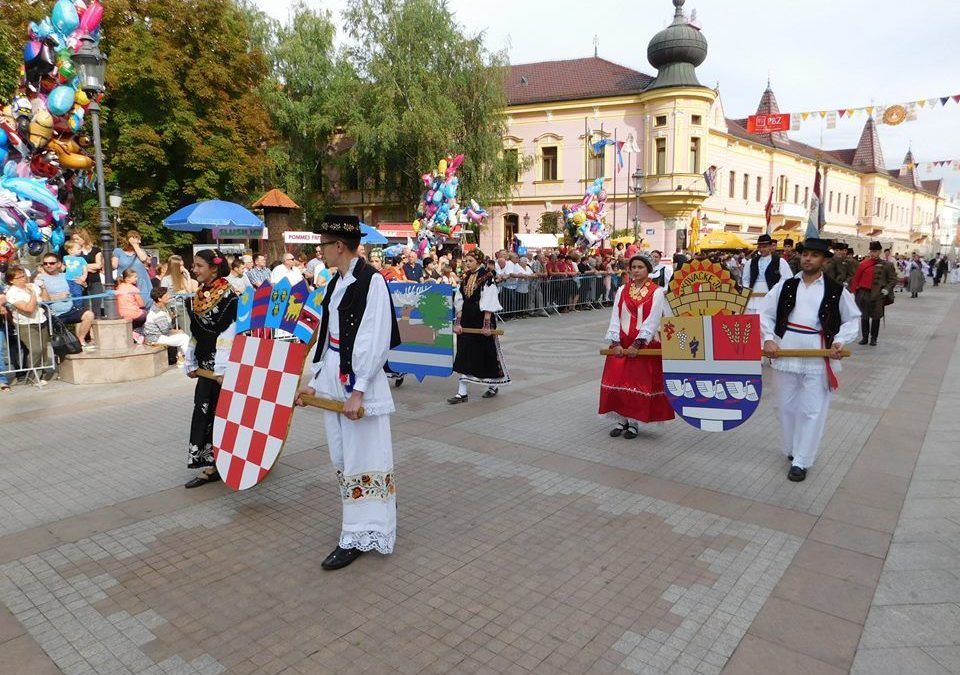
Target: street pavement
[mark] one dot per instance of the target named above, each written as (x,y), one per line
(529,540)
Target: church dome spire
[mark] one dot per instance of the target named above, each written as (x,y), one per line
(676,51)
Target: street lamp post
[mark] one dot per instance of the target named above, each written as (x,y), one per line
(637,186)
(116,199)
(91,64)
(526,222)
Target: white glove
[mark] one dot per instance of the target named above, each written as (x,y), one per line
(883,291)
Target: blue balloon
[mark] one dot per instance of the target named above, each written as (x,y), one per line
(4,141)
(60,100)
(65,17)
(3,155)
(42,29)
(57,238)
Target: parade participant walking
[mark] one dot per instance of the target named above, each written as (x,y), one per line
(872,286)
(841,268)
(915,279)
(807,311)
(479,358)
(357,330)
(763,272)
(212,314)
(662,274)
(632,386)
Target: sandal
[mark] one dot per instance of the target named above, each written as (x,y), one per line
(618,430)
(630,432)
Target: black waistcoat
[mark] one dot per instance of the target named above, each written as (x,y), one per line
(351,309)
(829,313)
(660,277)
(771,274)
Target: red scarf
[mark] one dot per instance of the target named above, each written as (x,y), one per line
(863,279)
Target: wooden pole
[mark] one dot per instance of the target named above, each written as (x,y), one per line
(312,401)
(782,354)
(479,331)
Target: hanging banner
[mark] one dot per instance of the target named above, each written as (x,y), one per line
(765,124)
(425,318)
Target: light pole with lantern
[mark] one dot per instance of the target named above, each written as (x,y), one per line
(526,222)
(637,187)
(116,199)
(91,64)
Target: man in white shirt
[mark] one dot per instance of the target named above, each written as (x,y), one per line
(808,311)
(288,270)
(315,264)
(762,272)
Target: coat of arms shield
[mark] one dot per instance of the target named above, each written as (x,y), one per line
(712,368)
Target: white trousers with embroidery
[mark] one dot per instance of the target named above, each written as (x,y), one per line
(803,400)
(362,452)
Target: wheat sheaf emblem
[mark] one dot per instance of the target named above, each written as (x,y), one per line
(738,340)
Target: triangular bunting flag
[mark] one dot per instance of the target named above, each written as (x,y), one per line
(921,103)
(841,112)
(944,99)
(956,98)
(869,109)
(804,116)
(932,102)
(851,111)
(822,113)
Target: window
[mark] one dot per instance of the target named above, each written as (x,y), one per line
(759,189)
(877,211)
(660,121)
(596,162)
(746,187)
(846,204)
(696,120)
(854,211)
(886,212)
(830,203)
(694,155)
(796,194)
(661,167)
(782,185)
(511,157)
(806,197)
(351,178)
(733,183)
(549,163)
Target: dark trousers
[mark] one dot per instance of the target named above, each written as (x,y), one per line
(869,327)
(201,424)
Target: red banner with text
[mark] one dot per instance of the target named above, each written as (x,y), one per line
(765,124)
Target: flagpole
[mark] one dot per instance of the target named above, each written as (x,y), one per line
(614,179)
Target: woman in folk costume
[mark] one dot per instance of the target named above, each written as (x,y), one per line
(915,278)
(632,386)
(212,314)
(479,358)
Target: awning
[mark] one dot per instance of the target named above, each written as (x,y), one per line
(396,230)
(720,240)
(538,240)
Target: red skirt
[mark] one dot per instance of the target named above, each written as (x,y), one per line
(633,388)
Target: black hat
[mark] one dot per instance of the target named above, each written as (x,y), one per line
(764,239)
(839,246)
(876,246)
(340,226)
(849,248)
(788,242)
(818,245)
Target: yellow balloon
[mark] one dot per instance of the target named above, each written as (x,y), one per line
(81,97)
(416,226)
(442,167)
(579,218)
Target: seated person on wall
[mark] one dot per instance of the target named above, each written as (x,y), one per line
(64,298)
(158,328)
(129,303)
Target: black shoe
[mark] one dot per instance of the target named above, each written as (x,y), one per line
(863,341)
(618,430)
(490,393)
(873,343)
(202,479)
(630,432)
(457,399)
(341,557)
(796,474)
(790,457)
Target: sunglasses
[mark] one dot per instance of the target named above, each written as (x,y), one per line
(54,262)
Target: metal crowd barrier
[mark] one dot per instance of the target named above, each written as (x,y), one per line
(19,346)
(551,296)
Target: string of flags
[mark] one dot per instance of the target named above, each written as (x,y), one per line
(892,115)
(929,167)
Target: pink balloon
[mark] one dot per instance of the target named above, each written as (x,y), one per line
(455,164)
(90,20)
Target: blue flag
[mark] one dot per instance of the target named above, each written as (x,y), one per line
(244,310)
(298,295)
(279,297)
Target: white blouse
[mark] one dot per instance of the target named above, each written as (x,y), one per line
(651,325)
(370,349)
(489,299)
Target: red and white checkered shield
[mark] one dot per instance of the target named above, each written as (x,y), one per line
(255,407)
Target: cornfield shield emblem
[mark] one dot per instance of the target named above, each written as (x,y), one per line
(712,369)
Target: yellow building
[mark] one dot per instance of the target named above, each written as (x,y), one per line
(673,130)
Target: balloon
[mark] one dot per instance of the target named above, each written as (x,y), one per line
(57,238)
(442,166)
(60,100)
(20,106)
(3,155)
(41,128)
(4,142)
(35,247)
(23,127)
(75,121)
(81,97)
(427,179)
(456,162)
(91,17)
(31,50)
(66,69)
(41,30)
(64,17)
(438,196)
(579,218)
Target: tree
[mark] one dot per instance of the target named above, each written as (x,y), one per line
(424,89)
(182,120)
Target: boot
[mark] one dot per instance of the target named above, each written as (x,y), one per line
(874,331)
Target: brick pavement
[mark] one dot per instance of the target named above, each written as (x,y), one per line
(530,541)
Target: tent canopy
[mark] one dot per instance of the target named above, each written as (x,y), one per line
(723,241)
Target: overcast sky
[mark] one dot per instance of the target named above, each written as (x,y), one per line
(820,55)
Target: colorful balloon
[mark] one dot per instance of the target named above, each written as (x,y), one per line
(60,100)
(64,17)
(90,20)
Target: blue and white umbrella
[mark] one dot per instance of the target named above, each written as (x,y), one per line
(370,235)
(212,214)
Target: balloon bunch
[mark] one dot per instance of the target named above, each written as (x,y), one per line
(585,220)
(41,145)
(439,212)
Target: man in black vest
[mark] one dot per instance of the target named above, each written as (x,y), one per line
(808,311)
(764,270)
(358,328)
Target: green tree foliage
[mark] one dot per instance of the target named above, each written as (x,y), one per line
(425,88)
(183,120)
(434,310)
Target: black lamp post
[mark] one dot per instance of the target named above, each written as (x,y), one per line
(90,65)
(637,187)
(526,222)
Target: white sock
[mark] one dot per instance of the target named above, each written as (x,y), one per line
(462,388)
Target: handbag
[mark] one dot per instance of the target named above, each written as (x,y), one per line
(62,339)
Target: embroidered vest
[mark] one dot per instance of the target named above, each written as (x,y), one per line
(660,277)
(829,313)
(771,274)
(351,310)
